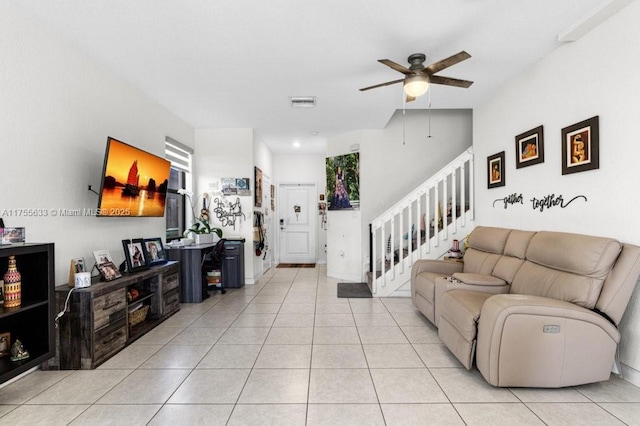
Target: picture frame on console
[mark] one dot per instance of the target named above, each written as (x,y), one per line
(495,170)
(134,254)
(154,251)
(530,148)
(104,262)
(581,146)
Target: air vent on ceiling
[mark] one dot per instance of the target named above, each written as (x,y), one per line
(303,101)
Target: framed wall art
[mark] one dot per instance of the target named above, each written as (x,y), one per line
(343,182)
(495,169)
(530,148)
(258,190)
(581,146)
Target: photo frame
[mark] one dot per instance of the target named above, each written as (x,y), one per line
(581,146)
(495,170)
(134,254)
(5,344)
(154,251)
(530,148)
(102,256)
(104,262)
(257,201)
(77,265)
(273,197)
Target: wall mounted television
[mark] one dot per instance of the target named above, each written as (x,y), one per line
(134,182)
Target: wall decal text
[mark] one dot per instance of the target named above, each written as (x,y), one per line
(510,199)
(552,200)
(228,214)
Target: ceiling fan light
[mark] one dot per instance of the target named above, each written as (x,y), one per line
(416,85)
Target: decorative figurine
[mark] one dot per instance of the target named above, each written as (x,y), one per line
(18,353)
(12,285)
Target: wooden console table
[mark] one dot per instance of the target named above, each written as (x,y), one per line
(101,320)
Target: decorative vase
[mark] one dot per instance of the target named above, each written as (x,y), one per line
(204,238)
(12,285)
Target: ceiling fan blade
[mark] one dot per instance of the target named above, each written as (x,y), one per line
(388,83)
(410,98)
(448,81)
(395,66)
(446,63)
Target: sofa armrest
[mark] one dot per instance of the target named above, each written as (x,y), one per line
(444,267)
(536,341)
(478,279)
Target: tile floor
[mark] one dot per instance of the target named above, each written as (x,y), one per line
(287,351)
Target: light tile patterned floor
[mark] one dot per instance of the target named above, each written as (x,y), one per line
(287,351)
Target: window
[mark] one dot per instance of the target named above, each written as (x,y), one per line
(180,177)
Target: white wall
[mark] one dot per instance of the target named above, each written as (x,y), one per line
(593,76)
(391,165)
(228,153)
(295,168)
(56,110)
(344,227)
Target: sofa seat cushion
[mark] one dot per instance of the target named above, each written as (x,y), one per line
(458,324)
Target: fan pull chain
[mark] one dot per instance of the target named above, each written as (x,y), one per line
(404,119)
(429,137)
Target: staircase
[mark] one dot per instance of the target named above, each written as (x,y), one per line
(422,225)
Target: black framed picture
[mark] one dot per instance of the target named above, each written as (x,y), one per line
(154,251)
(134,254)
(581,146)
(495,169)
(530,148)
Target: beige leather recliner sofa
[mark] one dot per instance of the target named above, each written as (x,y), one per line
(533,309)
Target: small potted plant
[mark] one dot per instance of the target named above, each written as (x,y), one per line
(201,229)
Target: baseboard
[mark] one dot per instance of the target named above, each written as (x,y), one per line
(400,293)
(630,374)
(321,262)
(346,278)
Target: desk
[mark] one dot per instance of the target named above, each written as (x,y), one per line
(193,284)
(190,258)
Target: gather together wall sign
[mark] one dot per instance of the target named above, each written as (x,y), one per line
(540,204)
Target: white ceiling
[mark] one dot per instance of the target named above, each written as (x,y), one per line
(235,63)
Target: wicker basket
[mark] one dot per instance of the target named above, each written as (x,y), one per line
(139,315)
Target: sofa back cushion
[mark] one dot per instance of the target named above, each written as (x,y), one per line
(568,267)
(486,245)
(515,251)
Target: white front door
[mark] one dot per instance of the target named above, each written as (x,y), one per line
(297,222)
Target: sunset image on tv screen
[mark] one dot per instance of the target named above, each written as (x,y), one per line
(134,182)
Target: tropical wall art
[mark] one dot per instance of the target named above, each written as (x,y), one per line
(343,182)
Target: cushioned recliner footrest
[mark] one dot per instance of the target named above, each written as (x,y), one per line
(458,322)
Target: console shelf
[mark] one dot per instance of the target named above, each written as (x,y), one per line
(32,322)
(97,324)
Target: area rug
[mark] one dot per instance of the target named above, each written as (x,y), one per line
(353,290)
(296,265)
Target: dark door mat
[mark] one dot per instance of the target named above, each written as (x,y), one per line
(296,265)
(353,290)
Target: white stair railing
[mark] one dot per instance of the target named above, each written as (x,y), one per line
(438,210)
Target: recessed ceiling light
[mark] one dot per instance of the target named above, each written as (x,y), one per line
(315,133)
(296,144)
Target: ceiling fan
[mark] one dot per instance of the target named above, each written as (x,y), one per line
(418,77)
